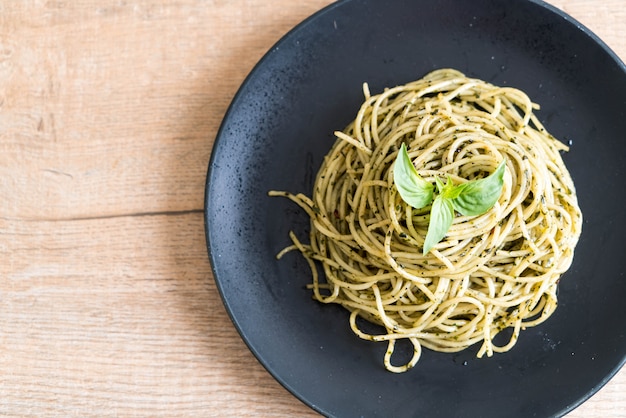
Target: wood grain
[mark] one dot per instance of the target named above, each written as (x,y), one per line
(108,112)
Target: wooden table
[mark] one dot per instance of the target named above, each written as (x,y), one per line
(108,112)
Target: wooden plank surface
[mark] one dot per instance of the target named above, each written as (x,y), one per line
(108,111)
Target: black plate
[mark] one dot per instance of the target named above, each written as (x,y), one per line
(280,125)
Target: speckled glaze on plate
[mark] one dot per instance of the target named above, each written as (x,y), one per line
(276,132)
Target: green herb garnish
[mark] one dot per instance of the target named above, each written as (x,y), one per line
(413,189)
(472,198)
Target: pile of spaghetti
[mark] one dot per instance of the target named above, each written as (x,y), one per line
(493,272)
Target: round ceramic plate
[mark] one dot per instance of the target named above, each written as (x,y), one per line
(280,125)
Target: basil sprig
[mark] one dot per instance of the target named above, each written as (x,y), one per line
(472,198)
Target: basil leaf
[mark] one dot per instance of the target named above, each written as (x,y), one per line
(440,186)
(413,189)
(441,217)
(450,191)
(478,196)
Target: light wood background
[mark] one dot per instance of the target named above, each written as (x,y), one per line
(108,112)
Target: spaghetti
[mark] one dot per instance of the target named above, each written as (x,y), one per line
(491,272)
